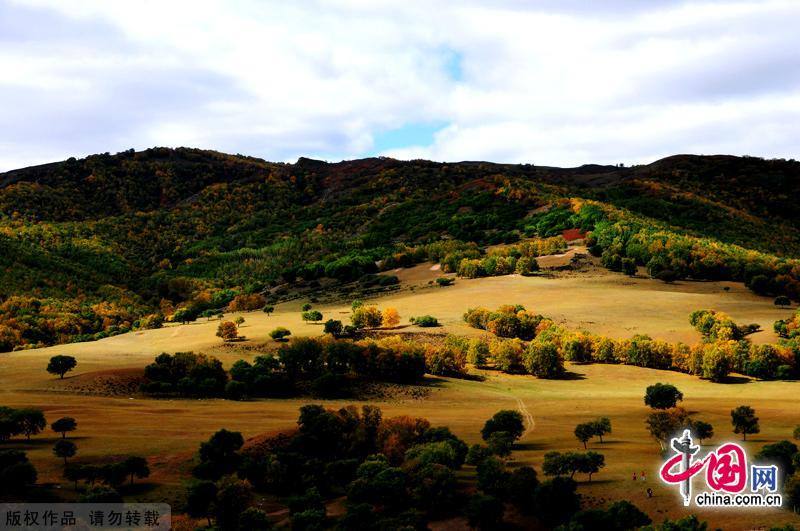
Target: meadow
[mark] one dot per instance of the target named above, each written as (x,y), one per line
(168,431)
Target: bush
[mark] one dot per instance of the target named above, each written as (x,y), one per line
(425,321)
(280,334)
(227,330)
(366,317)
(542,360)
(312,315)
(445,281)
(662,396)
(506,420)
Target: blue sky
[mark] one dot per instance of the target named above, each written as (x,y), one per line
(556,82)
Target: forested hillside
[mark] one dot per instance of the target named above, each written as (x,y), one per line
(89,247)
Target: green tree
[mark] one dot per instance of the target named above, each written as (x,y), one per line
(268,309)
(61,365)
(312,315)
(280,333)
(200,499)
(507,420)
(333,327)
(136,467)
(64,449)
(629,267)
(29,421)
(702,430)
(601,426)
(662,396)
(484,512)
(253,519)
(233,498)
(584,432)
(64,425)
(307,306)
(783,301)
(744,421)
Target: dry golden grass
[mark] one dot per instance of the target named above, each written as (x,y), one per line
(169,431)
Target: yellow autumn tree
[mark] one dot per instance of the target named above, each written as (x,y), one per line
(391,317)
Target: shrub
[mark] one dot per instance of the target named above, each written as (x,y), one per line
(425,321)
(507,355)
(280,333)
(445,281)
(366,317)
(227,330)
(312,315)
(543,361)
(391,317)
(506,420)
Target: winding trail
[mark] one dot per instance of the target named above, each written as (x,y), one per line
(529,422)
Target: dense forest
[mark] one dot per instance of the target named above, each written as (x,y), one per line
(97,246)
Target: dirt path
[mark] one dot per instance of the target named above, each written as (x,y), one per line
(529,422)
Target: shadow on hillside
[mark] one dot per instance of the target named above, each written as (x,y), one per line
(569,375)
(736,380)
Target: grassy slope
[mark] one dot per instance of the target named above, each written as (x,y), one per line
(168,431)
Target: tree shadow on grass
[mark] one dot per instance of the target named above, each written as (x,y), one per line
(569,375)
(529,446)
(736,380)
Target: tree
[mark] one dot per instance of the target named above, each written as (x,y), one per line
(63,425)
(61,365)
(227,331)
(522,488)
(200,499)
(500,443)
(543,361)
(556,500)
(663,424)
(744,421)
(391,317)
(312,315)
(253,519)
(136,467)
(602,426)
(366,317)
(484,512)
(239,320)
(268,309)
(584,432)
(233,498)
(629,267)
(796,433)
(280,333)
(333,327)
(702,430)
(783,300)
(16,471)
(64,449)
(507,420)
(781,453)
(625,515)
(662,396)
(219,455)
(306,307)
(29,421)
(791,491)
(668,276)
(591,463)
(184,315)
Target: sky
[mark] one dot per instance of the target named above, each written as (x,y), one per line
(548,82)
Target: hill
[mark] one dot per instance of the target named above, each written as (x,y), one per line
(88,247)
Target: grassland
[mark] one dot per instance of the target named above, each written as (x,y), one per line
(168,431)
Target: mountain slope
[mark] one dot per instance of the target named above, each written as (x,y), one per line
(140,230)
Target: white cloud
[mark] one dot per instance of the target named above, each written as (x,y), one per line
(550,82)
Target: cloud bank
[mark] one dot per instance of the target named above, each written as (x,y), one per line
(546,82)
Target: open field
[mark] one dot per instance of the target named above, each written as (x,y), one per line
(169,431)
